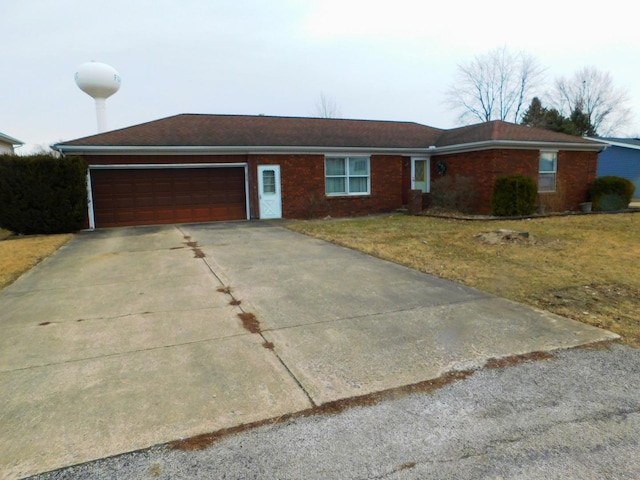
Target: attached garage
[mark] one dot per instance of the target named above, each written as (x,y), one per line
(126,195)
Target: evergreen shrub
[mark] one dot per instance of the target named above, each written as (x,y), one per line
(42,194)
(611,193)
(514,195)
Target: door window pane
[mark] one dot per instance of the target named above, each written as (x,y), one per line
(420,170)
(269,182)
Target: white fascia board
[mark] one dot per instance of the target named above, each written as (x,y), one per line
(163,166)
(13,141)
(239,150)
(518,145)
(271,150)
(616,144)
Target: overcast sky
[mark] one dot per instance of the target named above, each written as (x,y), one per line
(389,60)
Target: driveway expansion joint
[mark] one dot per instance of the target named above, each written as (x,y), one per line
(122,354)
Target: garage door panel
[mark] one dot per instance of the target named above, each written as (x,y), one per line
(144,201)
(183,200)
(144,188)
(126,216)
(163,200)
(200,214)
(173,195)
(122,202)
(164,215)
(122,188)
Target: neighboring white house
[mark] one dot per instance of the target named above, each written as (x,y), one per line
(7,143)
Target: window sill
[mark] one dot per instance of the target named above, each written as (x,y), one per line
(347,195)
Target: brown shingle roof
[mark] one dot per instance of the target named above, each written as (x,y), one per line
(246,131)
(249,131)
(502,131)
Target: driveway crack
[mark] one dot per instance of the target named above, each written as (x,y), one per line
(249,320)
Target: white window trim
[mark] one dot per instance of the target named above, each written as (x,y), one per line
(554,172)
(427,172)
(347,176)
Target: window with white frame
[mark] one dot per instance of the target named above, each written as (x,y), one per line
(547,171)
(347,175)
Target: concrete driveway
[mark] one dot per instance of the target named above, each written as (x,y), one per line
(127,338)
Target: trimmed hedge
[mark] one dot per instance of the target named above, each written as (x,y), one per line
(611,193)
(42,194)
(514,195)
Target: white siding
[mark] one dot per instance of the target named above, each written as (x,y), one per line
(5,147)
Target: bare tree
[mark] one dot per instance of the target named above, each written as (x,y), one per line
(327,107)
(592,92)
(496,85)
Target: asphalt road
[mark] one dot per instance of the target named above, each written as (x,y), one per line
(573,416)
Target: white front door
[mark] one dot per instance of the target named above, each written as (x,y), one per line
(269,191)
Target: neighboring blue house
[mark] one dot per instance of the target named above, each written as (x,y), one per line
(622,159)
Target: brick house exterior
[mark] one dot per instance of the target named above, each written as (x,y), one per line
(576,170)
(309,167)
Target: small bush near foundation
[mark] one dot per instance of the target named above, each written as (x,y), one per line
(611,193)
(514,195)
(42,194)
(315,204)
(454,194)
(553,201)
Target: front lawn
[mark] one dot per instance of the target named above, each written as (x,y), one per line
(586,267)
(19,254)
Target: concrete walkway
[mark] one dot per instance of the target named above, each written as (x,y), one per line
(127,338)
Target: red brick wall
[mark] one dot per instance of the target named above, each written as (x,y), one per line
(575,171)
(303,187)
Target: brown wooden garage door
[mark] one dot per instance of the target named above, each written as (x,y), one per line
(124,197)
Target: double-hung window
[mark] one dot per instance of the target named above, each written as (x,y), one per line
(347,175)
(547,171)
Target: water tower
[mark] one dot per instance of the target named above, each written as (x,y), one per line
(100,81)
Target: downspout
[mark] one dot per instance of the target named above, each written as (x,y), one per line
(92,220)
(246,188)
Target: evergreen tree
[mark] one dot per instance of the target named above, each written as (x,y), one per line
(551,119)
(535,115)
(582,123)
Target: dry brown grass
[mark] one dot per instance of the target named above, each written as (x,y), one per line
(583,266)
(19,254)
